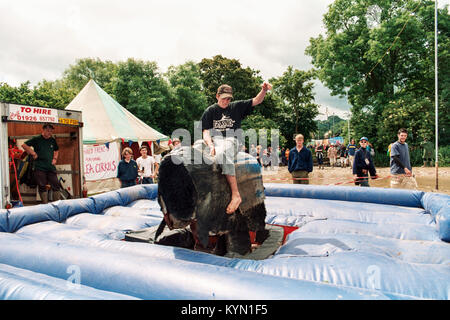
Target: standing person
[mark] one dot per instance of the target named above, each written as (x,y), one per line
(127,170)
(145,164)
(265,160)
(363,164)
(258,155)
(253,150)
(401,170)
(45,155)
(300,162)
(282,152)
(286,155)
(351,149)
(219,124)
(428,152)
(343,154)
(388,153)
(332,155)
(319,155)
(279,157)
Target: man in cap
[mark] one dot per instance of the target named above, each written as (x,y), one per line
(45,155)
(220,123)
(363,164)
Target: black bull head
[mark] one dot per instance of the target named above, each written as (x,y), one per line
(192,189)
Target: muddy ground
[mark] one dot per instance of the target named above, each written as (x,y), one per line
(425,177)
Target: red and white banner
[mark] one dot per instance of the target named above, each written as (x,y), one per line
(101,161)
(32,114)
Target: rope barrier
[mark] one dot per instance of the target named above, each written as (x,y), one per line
(343,182)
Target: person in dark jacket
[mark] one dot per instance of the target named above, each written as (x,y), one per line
(363,165)
(127,170)
(300,162)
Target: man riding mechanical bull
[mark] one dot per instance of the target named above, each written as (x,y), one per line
(222,194)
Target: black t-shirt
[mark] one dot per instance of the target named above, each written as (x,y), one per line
(221,120)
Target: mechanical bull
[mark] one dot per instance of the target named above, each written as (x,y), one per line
(192,191)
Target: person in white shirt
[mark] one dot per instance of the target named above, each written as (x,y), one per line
(145,165)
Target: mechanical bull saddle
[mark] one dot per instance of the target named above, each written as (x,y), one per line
(192,191)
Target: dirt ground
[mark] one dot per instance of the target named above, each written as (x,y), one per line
(425,177)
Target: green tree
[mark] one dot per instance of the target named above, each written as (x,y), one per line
(351,61)
(142,90)
(104,73)
(51,94)
(220,70)
(333,125)
(188,95)
(295,88)
(261,130)
(18,95)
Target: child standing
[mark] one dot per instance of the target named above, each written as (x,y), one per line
(127,171)
(319,155)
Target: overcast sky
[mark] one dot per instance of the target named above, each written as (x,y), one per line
(40,39)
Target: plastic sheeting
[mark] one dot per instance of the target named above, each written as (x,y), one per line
(20,284)
(345,248)
(399,197)
(439,207)
(150,278)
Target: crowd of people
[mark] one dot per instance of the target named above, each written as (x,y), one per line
(143,170)
(223,117)
(359,158)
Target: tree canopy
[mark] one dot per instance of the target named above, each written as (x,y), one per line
(380,55)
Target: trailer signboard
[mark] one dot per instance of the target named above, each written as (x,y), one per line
(20,123)
(32,114)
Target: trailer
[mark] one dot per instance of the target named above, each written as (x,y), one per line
(20,123)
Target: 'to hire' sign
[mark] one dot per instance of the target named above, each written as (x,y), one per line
(32,114)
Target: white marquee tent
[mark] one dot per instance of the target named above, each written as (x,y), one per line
(106,124)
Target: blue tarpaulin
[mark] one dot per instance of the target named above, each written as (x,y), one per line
(352,243)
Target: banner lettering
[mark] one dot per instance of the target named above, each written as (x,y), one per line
(100,162)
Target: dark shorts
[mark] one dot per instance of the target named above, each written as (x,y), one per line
(44,178)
